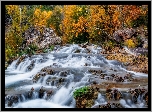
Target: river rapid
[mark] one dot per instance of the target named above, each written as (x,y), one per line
(59,73)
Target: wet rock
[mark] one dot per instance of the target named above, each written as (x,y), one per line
(77,51)
(21,59)
(48,70)
(63,73)
(51,81)
(111,105)
(102,76)
(10,103)
(49,93)
(85,64)
(36,77)
(41,92)
(109,94)
(113,94)
(146,97)
(30,93)
(94,82)
(135,93)
(55,65)
(31,66)
(61,80)
(15,99)
(108,105)
(11,99)
(117,94)
(56,81)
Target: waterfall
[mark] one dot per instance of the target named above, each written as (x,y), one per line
(70,70)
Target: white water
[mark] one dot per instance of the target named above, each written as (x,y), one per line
(63,97)
(39,103)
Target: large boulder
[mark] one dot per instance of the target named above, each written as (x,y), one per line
(43,37)
(121,35)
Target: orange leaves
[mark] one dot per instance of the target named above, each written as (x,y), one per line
(80,26)
(130,13)
(74,21)
(116,20)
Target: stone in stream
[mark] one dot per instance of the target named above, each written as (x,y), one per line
(22,58)
(15,99)
(49,93)
(113,94)
(77,51)
(109,94)
(117,94)
(48,70)
(61,80)
(38,76)
(135,93)
(145,97)
(31,66)
(109,105)
(12,99)
(10,103)
(63,73)
(41,92)
(30,93)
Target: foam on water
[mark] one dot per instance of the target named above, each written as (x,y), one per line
(39,103)
(63,97)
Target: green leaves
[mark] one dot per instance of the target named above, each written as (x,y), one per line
(81,91)
(51,47)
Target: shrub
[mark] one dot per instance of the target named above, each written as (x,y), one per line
(130,43)
(52,47)
(81,91)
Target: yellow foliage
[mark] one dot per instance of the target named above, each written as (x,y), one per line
(130,43)
(41,18)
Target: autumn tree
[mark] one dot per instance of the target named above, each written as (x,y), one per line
(14,33)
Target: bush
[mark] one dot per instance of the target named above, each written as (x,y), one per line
(51,47)
(81,91)
(130,43)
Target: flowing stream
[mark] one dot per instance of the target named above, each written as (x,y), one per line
(70,65)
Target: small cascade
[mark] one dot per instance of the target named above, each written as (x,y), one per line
(49,80)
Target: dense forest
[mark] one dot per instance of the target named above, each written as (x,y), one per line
(74,24)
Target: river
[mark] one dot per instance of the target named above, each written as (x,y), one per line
(70,65)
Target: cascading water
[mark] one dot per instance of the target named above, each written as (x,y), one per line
(70,65)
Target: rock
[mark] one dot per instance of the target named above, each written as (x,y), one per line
(108,105)
(30,93)
(31,66)
(42,40)
(146,97)
(61,80)
(63,73)
(140,51)
(86,100)
(41,92)
(21,59)
(124,34)
(113,94)
(9,103)
(77,51)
